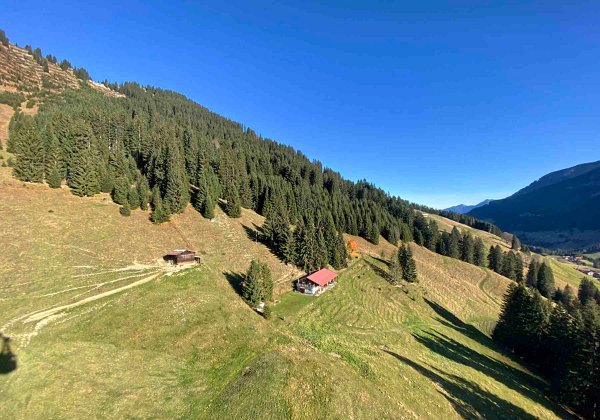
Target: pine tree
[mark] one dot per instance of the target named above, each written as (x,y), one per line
(133,199)
(125,209)
(495,258)
(515,244)
(407,264)
(532,274)
(54,165)
(143,191)
(454,243)
(545,281)
(120,192)
(508,268)
(479,253)
(467,248)
(176,189)
(233,207)
(433,236)
(83,173)
(29,149)
(158,212)
(587,291)
(208,210)
(252,288)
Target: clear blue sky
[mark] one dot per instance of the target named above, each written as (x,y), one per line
(438,102)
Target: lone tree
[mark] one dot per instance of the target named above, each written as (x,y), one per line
(257,286)
(516,244)
(407,263)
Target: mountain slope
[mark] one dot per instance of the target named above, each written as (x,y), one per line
(560,211)
(465,208)
(184,344)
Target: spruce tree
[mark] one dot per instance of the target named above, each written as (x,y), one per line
(54,165)
(515,244)
(467,248)
(133,199)
(479,253)
(143,191)
(407,264)
(545,281)
(587,291)
(454,243)
(158,212)
(232,206)
(29,150)
(208,210)
(508,268)
(125,209)
(120,192)
(495,258)
(532,274)
(176,185)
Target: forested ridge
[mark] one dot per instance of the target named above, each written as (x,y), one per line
(157,148)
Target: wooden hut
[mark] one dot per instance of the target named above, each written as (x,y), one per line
(181,256)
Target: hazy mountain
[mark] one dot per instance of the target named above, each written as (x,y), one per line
(465,208)
(560,210)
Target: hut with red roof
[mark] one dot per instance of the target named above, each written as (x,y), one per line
(317,282)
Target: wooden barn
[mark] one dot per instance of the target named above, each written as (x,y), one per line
(181,256)
(317,282)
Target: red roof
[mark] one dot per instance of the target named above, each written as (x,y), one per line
(322,277)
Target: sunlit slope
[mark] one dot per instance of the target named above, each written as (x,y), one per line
(102,329)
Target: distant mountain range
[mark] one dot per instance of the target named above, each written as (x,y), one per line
(465,208)
(561,210)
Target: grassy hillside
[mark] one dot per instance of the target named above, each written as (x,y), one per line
(102,328)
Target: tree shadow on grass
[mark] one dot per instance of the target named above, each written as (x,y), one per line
(448,319)
(378,270)
(520,381)
(8,360)
(235,281)
(468,398)
(253,233)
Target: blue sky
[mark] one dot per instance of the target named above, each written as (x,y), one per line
(438,102)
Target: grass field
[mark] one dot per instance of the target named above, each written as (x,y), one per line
(101,328)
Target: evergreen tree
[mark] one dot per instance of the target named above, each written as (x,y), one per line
(29,149)
(252,288)
(587,291)
(495,258)
(125,209)
(532,274)
(467,248)
(407,263)
(120,192)
(209,208)
(433,236)
(158,212)
(143,191)
(83,172)
(508,268)
(545,280)
(133,199)
(233,207)
(479,253)
(54,166)
(454,243)
(176,189)
(515,244)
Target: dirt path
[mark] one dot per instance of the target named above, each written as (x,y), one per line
(38,316)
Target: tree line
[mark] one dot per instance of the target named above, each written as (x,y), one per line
(156,149)
(560,339)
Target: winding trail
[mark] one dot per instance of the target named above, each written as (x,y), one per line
(38,316)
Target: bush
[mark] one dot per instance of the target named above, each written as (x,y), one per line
(30,103)
(12,99)
(267,312)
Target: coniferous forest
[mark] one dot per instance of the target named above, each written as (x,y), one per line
(155,148)
(561,340)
